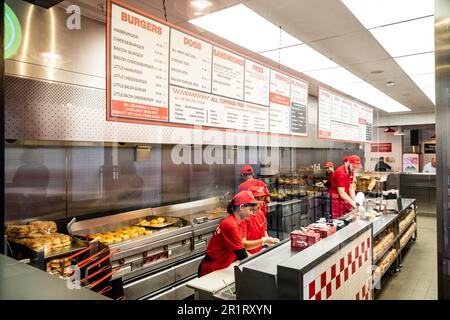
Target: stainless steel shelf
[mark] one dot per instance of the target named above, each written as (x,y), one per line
(384,272)
(402,247)
(386,250)
(407,226)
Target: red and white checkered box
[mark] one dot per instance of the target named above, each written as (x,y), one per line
(342,275)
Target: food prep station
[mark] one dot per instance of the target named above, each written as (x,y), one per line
(337,267)
(157,265)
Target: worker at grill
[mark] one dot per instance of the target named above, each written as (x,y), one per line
(342,191)
(254,229)
(247,174)
(226,246)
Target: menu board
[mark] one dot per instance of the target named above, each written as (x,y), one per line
(139,67)
(343,119)
(158,73)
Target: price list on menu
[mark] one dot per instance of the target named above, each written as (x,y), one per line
(299,113)
(190,62)
(343,119)
(139,62)
(158,73)
(257,83)
(228,74)
(280,101)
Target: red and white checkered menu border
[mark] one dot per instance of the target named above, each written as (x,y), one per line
(343,275)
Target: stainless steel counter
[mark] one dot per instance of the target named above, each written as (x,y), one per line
(19,281)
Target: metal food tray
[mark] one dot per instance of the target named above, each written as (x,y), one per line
(169,221)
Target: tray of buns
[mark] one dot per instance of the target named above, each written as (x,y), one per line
(157,222)
(40,235)
(121,234)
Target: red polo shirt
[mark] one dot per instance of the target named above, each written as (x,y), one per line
(220,251)
(246,185)
(254,228)
(340,178)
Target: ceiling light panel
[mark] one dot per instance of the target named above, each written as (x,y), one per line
(301,58)
(426,83)
(334,77)
(417,64)
(407,38)
(375,13)
(248,29)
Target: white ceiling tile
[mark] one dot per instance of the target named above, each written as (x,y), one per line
(301,58)
(375,13)
(246,28)
(417,64)
(407,38)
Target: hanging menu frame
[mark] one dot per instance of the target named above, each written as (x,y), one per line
(235,91)
(330,123)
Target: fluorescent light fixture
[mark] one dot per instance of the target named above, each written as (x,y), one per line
(301,58)
(426,82)
(246,28)
(420,68)
(201,4)
(417,64)
(334,77)
(390,84)
(407,38)
(375,13)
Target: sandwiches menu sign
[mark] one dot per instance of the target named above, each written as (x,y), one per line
(343,119)
(160,74)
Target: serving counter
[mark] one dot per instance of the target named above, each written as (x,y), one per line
(340,266)
(19,281)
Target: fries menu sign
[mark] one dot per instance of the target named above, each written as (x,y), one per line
(160,74)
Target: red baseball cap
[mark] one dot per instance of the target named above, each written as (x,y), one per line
(259,191)
(244,197)
(329,164)
(247,169)
(355,160)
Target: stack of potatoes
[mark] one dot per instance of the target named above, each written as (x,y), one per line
(119,235)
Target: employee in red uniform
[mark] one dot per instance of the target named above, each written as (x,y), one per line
(342,191)
(254,229)
(247,174)
(226,244)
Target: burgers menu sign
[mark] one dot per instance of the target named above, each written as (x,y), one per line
(343,119)
(160,74)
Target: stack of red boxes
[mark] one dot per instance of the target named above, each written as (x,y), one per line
(314,233)
(323,230)
(302,240)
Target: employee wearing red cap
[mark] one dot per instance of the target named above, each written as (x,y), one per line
(226,244)
(342,191)
(247,174)
(329,166)
(254,229)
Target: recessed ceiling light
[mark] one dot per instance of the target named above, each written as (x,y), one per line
(249,29)
(201,4)
(376,71)
(390,83)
